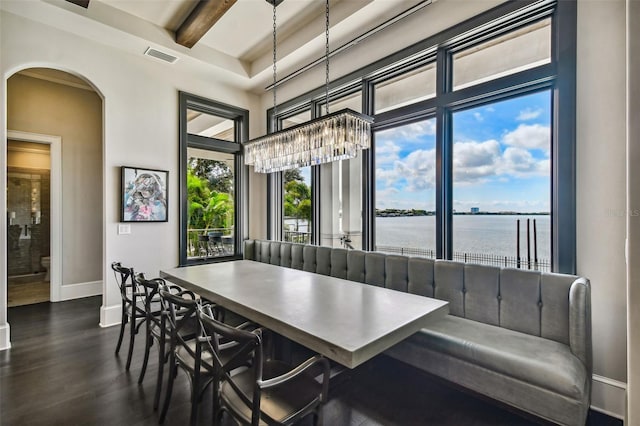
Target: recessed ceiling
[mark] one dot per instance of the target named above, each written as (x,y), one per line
(238,48)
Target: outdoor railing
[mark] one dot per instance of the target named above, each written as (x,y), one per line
(480,258)
(297,237)
(198,248)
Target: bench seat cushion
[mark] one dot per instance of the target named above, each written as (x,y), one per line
(542,362)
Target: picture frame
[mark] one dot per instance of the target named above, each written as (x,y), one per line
(145,195)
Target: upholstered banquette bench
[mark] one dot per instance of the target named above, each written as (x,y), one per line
(520,337)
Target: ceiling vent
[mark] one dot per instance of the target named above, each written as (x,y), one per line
(160,55)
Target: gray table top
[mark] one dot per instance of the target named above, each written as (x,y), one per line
(346,321)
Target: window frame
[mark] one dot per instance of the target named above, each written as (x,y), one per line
(241,130)
(558,76)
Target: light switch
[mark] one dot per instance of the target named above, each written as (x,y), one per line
(124,228)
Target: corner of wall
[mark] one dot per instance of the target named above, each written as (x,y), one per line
(5,334)
(110,315)
(608,396)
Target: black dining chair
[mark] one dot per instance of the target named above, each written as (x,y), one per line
(155,329)
(271,392)
(133,306)
(186,349)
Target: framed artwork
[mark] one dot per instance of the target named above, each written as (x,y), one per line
(144,195)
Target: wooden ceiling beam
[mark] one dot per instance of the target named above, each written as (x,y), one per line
(200,20)
(82,3)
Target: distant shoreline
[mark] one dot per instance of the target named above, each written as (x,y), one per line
(417,212)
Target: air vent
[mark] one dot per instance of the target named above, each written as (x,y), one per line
(160,55)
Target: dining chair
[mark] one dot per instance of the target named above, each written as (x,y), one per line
(155,329)
(271,392)
(185,349)
(133,312)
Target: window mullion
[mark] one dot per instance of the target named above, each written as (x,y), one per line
(443,161)
(368,172)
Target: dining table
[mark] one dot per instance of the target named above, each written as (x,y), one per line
(348,322)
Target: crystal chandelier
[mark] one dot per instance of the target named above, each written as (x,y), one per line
(336,136)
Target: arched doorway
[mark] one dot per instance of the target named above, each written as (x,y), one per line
(64,112)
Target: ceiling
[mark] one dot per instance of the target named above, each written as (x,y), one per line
(239,45)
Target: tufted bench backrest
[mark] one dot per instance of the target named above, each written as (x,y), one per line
(549,305)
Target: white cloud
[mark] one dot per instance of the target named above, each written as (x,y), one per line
(386,152)
(529,114)
(529,136)
(416,172)
(408,133)
(475,161)
(478,116)
(420,169)
(519,162)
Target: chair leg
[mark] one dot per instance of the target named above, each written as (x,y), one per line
(195,395)
(123,323)
(161,362)
(132,336)
(173,370)
(147,348)
(215,392)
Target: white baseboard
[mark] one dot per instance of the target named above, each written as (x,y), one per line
(5,334)
(608,396)
(110,315)
(80,290)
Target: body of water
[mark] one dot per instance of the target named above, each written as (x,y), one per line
(484,234)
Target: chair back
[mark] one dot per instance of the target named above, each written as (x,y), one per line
(150,291)
(241,347)
(124,277)
(180,307)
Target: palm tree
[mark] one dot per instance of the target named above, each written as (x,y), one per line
(219,211)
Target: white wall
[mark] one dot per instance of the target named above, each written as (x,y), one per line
(601,187)
(633,203)
(140,119)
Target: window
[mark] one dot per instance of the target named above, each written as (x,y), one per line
(475,124)
(341,197)
(203,124)
(296,119)
(210,179)
(405,159)
(515,51)
(297,205)
(502,182)
(406,89)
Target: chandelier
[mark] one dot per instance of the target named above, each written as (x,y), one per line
(332,137)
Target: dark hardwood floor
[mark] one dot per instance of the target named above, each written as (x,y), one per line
(61,370)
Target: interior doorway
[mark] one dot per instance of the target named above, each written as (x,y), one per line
(29,223)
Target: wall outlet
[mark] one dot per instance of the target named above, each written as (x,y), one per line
(124,228)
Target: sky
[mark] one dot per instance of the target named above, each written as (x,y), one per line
(501,159)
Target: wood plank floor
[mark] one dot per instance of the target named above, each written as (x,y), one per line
(62,370)
(27,293)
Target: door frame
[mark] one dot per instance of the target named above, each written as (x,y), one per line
(55,145)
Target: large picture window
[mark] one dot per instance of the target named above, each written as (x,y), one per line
(502,182)
(405,159)
(473,152)
(210,179)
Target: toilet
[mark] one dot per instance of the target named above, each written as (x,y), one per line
(45,261)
